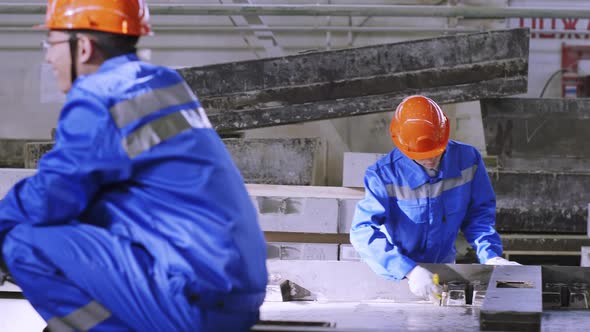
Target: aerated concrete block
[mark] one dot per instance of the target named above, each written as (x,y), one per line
(306,215)
(585,259)
(348,253)
(302,251)
(345,214)
(10,176)
(354,166)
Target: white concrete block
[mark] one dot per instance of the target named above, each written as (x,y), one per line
(585,259)
(348,253)
(345,214)
(302,251)
(10,176)
(355,165)
(18,315)
(307,215)
(273,190)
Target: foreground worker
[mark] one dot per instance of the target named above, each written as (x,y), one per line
(137,220)
(419,196)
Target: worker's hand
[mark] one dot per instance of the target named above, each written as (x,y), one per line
(422,284)
(500,261)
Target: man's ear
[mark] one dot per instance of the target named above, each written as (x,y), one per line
(86,49)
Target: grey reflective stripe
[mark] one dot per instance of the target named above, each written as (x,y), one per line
(163,128)
(136,108)
(431,190)
(82,319)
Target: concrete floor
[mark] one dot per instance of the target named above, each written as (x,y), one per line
(367,316)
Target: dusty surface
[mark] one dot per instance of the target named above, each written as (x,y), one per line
(369,316)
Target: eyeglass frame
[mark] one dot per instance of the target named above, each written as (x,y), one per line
(46,44)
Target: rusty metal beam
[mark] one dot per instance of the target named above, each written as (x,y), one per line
(332,84)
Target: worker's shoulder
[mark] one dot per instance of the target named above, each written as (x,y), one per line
(127,78)
(460,148)
(386,161)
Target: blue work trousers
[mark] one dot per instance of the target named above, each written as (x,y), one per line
(82,278)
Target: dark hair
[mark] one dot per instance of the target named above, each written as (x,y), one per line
(112,44)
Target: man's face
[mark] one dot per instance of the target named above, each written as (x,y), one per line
(430,163)
(58,56)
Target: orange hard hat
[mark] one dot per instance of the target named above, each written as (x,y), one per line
(126,17)
(419,128)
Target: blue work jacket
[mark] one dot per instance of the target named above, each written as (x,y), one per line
(407,217)
(136,154)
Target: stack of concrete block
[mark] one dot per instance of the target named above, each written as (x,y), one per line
(296,219)
(299,220)
(546,169)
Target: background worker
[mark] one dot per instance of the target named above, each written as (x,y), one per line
(137,220)
(419,196)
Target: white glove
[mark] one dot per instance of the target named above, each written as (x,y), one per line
(500,261)
(421,283)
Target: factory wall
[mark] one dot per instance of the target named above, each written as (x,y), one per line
(30,103)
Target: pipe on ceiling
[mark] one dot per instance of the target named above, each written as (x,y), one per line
(335,10)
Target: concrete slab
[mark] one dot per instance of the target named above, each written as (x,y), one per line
(538,133)
(331,84)
(514,300)
(541,202)
(325,279)
(289,161)
(557,243)
(302,251)
(11,153)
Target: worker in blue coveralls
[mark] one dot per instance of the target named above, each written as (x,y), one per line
(419,196)
(137,219)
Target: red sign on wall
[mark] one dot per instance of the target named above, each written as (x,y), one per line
(580,28)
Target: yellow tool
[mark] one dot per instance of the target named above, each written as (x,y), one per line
(436,281)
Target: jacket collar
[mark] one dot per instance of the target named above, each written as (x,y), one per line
(415,175)
(117,61)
